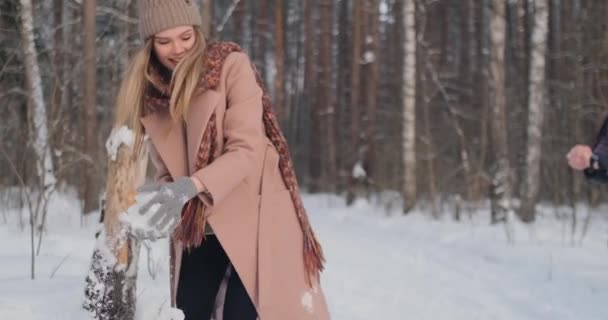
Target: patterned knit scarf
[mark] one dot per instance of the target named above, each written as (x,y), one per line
(192,225)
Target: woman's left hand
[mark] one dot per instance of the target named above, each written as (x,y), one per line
(167,202)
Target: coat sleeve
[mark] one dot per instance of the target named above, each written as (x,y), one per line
(243,130)
(600,150)
(162,173)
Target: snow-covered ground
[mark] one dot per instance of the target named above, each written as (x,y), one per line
(379,266)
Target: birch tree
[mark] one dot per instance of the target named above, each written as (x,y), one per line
(501,179)
(409,106)
(536,115)
(39,130)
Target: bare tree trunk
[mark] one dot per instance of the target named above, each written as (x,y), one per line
(261,37)
(465,73)
(449,100)
(126,38)
(124,176)
(458,129)
(466,27)
(343,95)
(41,146)
(428,89)
(325,106)
(61,127)
(482,79)
(91,185)
(353,157)
(409,106)
(110,291)
(501,193)
(279,78)
(535,112)
(577,16)
(239,23)
(431,153)
(207,17)
(294,70)
(310,100)
(443,11)
(58,79)
(371,59)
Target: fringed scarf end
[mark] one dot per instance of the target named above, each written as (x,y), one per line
(191,228)
(314,258)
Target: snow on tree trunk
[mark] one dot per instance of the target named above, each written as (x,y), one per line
(110,285)
(409,107)
(535,111)
(501,180)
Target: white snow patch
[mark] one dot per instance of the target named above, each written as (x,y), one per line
(171,314)
(138,222)
(118,137)
(107,255)
(307,302)
(368,57)
(358,171)
(437,269)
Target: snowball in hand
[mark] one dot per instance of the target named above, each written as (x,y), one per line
(139,223)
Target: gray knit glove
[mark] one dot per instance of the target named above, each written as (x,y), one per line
(168,200)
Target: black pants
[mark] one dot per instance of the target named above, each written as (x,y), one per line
(201,274)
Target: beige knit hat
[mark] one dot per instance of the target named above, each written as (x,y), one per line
(159,15)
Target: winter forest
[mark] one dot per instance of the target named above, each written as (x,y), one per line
(429,136)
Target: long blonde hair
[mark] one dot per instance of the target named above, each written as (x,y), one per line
(184,83)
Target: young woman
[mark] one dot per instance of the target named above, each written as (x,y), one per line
(225,190)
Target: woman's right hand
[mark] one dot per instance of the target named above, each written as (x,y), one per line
(579,157)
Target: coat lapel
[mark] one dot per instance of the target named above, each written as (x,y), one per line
(199,113)
(168,139)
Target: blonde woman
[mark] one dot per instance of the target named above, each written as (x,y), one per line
(225,192)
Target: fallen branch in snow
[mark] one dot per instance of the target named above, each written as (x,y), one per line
(59,266)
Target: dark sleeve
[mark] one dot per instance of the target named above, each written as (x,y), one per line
(600,151)
(596,175)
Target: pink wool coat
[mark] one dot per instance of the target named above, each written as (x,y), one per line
(251,211)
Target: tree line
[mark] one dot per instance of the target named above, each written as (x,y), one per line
(424,103)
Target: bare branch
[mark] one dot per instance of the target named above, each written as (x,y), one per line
(227,16)
(117,14)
